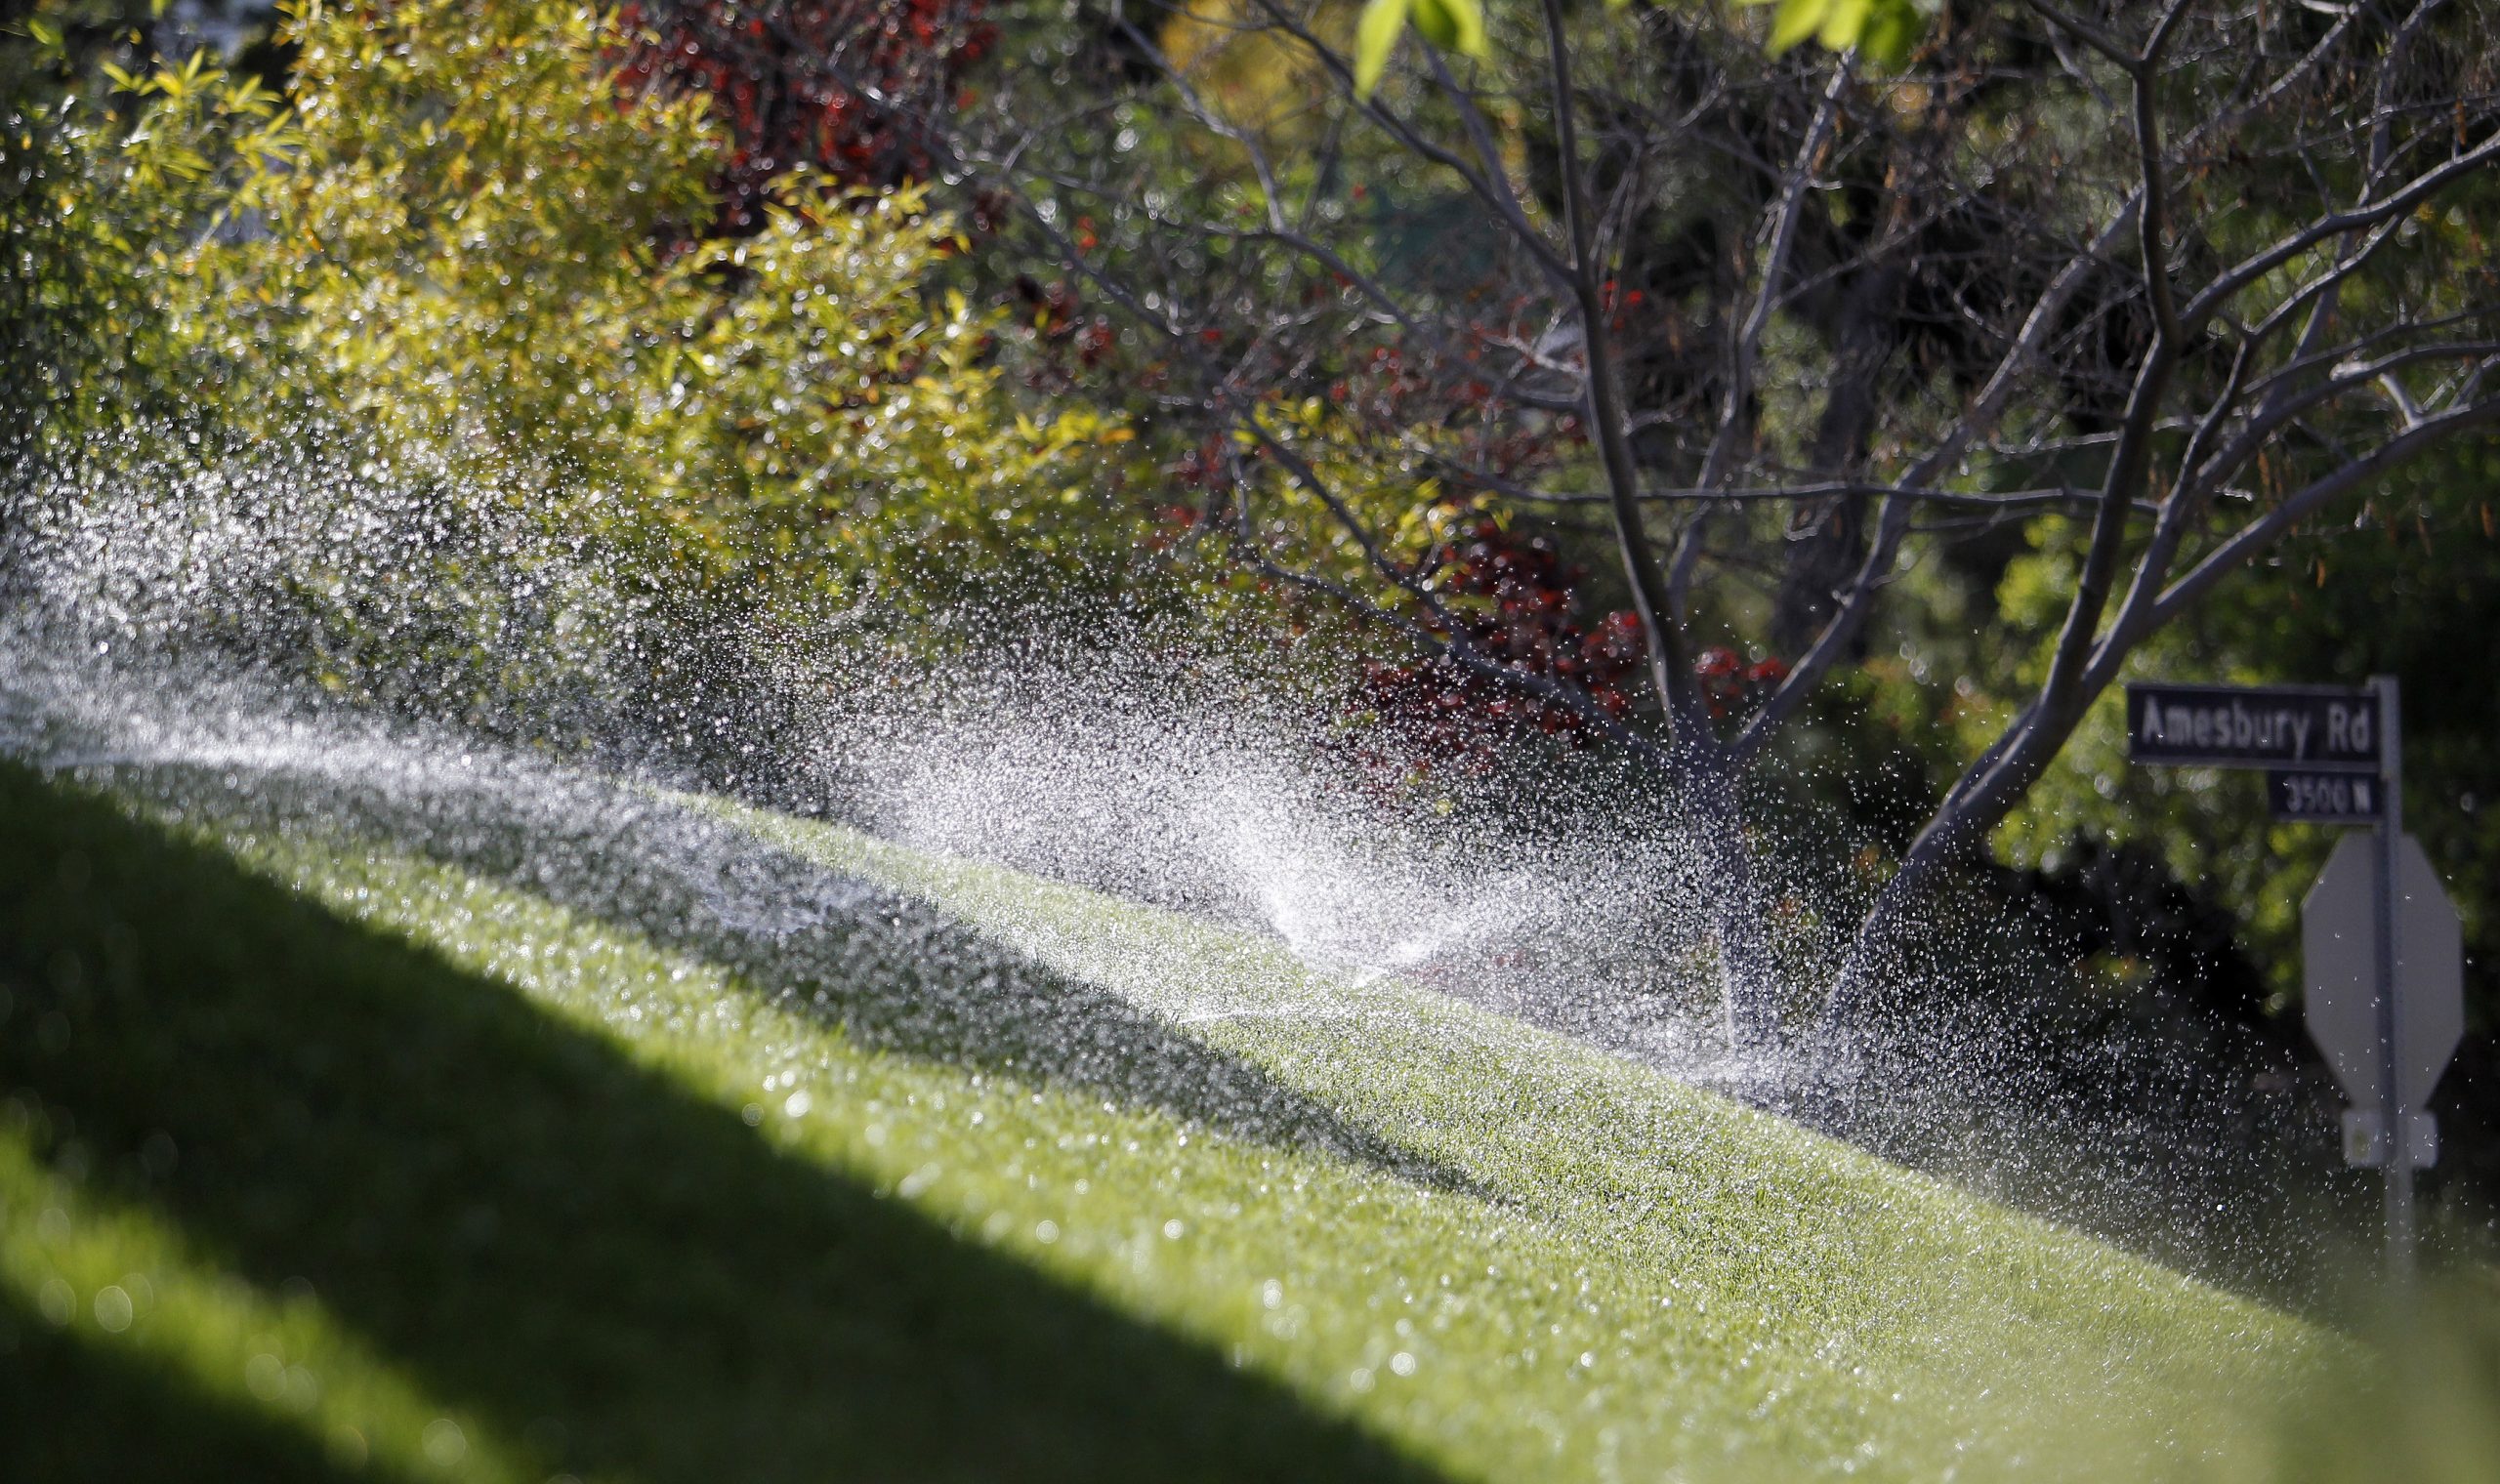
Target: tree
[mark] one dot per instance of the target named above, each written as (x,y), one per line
(2190,278)
(2391,589)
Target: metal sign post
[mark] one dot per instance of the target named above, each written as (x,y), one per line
(2382,945)
(2399,1153)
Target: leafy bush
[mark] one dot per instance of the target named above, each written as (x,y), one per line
(104,171)
(472,235)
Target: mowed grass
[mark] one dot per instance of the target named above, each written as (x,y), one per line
(333,1151)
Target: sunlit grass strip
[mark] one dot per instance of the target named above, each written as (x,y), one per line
(113,1276)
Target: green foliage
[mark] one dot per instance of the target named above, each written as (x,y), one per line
(1453,25)
(1377,473)
(466,237)
(1884,29)
(105,172)
(2394,591)
(483,243)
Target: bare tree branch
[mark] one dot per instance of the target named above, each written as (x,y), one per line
(1824,489)
(2075,303)
(1981,416)
(2090,35)
(1494,193)
(1747,349)
(2338,223)
(2305,501)
(1669,668)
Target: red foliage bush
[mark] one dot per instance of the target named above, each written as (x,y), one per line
(845,86)
(1436,713)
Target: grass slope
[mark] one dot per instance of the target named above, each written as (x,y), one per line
(327,1153)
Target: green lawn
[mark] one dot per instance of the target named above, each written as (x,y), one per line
(340,1144)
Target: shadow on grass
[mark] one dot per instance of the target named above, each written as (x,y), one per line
(895,973)
(541,1230)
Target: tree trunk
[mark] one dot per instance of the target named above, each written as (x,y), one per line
(1986,794)
(1828,541)
(1748,970)
(1875,948)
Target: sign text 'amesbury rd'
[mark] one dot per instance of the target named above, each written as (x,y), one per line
(2315,728)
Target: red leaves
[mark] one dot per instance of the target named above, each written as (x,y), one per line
(1729,684)
(1050,308)
(1203,467)
(1095,342)
(764,67)
(1437,714)
(1717,664)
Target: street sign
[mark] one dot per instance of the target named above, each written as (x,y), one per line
(2316,728)
(2340,952)
(2325,798)
(2386,959)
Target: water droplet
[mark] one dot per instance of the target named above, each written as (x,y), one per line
(113,1308)
(444,1442)
(265,1375)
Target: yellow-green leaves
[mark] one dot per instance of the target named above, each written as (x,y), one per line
(1892,31)
(1374,38)
(1884,30)
(477,239)
(490,242)
(1454,26)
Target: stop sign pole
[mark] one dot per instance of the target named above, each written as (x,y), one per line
(2397,1139)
